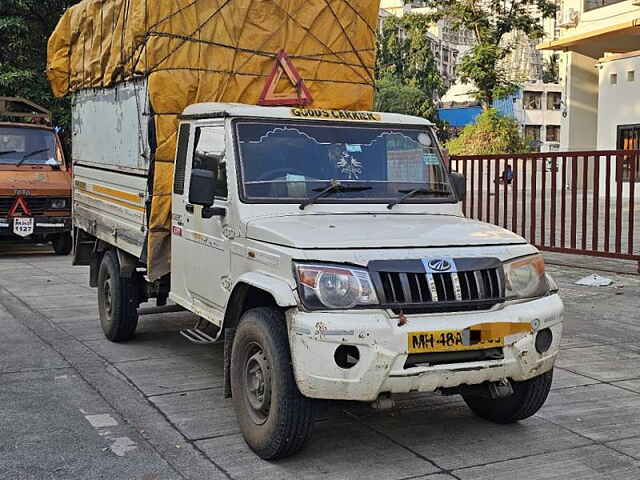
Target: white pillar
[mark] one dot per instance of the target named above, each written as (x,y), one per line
(579,129)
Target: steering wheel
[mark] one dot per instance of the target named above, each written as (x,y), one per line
(273,174)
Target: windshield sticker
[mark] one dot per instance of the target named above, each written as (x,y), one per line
(296,186)
(430,159)
(284,130)
(335,114)
(353,148)
(350,166)
(295,178)
(425,140)
(15,143)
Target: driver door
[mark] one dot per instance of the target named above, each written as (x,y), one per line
(201,252)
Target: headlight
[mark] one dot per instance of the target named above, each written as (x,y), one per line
(525,278)
(58,203)
(329,287)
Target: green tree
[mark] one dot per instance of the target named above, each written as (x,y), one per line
(491,134)
(25,27)
(394,96)
(492,22)
(407,76)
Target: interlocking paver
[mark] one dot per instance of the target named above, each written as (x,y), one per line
(600,412)
(175,374)
(339,450)
(607,363)
(199,414)
(588,463)
(170,392)
(453,438)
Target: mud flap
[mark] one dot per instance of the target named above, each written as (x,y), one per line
(229,335)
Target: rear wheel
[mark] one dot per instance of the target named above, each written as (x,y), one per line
(62,243)
(117,300)
(528,397)
(274,417)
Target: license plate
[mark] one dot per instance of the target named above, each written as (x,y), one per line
(23,226)
(450,341)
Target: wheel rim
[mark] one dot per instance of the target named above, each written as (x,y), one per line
(257,383)
(107,302)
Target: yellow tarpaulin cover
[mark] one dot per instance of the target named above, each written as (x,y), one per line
(212,51)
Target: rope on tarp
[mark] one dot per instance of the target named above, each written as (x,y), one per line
(132,59)
(263,53)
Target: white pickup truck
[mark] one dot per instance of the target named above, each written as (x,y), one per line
(328,251)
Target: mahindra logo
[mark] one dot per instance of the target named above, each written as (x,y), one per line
(439,265)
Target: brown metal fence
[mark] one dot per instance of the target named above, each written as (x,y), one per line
(570,202)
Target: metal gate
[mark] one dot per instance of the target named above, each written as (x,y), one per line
(571,202)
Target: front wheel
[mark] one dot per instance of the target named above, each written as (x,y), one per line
(62,243)
(117,300)
(528,397)
(274,417)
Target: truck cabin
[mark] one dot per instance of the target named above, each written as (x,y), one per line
(29,145)
(27,137)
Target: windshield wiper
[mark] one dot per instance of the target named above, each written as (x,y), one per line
(31,154)
(414,192)
(333,187)
(8,151)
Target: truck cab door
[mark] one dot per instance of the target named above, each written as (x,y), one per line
(200,253)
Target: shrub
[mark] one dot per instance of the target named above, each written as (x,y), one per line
(491,134)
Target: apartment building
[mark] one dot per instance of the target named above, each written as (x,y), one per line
(600,74)
(537,108)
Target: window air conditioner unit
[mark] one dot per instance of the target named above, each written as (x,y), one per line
(569,18)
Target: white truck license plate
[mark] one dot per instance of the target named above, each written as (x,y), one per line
(23,226)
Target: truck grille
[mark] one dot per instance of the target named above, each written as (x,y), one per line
(410,286)
(37,205)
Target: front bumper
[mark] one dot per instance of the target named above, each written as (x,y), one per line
(382,344)
(42,226)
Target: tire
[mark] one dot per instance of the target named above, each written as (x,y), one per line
(528,397)
(62,243)
(275,418)
(117,300)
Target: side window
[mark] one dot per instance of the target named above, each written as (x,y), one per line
(209,154)
(181,159)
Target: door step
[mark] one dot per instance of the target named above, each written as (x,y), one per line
(203,333)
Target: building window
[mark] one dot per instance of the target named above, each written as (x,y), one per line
(554,100)
(613,77)
(593,4)
(553,133)
(532,100)
(629,139)
(631,76)
(532,135)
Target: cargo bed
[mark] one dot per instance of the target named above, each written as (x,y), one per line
(111,156)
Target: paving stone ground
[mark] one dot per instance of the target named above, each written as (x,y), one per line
(75,406)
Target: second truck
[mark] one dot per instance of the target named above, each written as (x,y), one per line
(35,178)
(325,247)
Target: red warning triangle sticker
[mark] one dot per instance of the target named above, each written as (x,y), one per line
(302,95)
(20,202)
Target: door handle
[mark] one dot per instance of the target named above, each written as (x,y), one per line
(188,207)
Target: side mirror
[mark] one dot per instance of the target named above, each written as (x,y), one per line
(202,188)
(459,183)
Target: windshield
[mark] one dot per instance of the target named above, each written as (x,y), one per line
(27,146)
(293,162)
